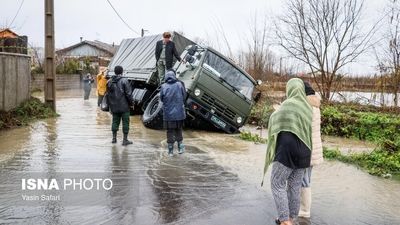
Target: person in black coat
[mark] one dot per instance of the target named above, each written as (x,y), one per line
(165,52)
(119,97)
(173,95)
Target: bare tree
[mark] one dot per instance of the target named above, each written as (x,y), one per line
(388,55)
(258,59)
(326,35)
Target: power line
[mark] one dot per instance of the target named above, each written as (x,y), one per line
(121,18)
(16,14)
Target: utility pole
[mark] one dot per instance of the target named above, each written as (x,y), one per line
(49,67)
(143,30)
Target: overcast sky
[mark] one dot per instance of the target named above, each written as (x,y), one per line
(95,19)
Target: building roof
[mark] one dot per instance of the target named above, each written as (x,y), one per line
(7,33)
(111,49)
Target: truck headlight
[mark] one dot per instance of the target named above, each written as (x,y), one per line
(239,120)
(197,92)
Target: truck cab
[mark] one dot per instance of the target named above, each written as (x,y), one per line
(219,93)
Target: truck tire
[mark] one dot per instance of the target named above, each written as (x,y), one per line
(153,114)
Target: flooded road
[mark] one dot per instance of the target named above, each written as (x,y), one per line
(216,181)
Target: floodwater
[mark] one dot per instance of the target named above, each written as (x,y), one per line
(216,181)
(370,98)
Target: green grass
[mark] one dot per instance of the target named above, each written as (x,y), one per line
(28,111)
(379,162)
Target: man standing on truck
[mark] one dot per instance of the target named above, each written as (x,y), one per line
(119,100)
(165,51)
(172,95)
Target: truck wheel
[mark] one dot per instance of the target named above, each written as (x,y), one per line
(153,114)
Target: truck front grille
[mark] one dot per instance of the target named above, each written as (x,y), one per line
(219,106)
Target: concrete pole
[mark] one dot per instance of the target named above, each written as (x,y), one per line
(49,68)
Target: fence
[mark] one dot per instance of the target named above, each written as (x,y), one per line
(14,45)
(63,81)
(15,80)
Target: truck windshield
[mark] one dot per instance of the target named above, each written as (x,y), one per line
(226,71)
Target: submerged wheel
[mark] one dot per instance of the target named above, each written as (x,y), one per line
(153,114)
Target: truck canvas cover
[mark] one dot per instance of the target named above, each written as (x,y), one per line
(137,55)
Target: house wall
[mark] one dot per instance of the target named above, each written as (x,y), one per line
(15,75)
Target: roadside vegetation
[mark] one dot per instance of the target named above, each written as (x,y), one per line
(380,125)
(28,111)
(248,136)
(379,162)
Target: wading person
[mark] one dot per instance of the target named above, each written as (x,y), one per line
(172,95)
(87,85)
(119,101)
(165,52)
(101,87)
(289,148)
(316,153)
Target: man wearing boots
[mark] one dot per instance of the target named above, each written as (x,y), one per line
(119,99)
(165,53)
(172,95)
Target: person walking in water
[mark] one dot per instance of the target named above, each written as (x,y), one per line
(289,149)
(173,95)
(119,100)
(165,52)
(101,87)
(316,153)
(87,85)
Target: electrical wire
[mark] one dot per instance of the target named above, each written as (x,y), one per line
(16,14)
(122,18)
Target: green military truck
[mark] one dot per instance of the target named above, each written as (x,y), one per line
(219,93)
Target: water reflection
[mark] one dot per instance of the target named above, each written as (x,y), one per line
(215,182)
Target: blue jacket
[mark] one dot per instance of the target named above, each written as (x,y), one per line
(173,95)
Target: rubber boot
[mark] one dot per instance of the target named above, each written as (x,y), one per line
(305,202)
(125,141)
(181,147)
(114,139)
(170,149)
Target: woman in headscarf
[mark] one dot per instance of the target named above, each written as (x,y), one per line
(289,148)
(316,155)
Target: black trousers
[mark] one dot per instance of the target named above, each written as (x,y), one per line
(174,134)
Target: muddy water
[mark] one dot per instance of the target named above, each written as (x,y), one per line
(215,182)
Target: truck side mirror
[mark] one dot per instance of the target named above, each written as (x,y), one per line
(192,50)
(259,82)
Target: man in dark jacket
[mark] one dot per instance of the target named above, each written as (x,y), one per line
(173,95)
(119,100)
(165,52)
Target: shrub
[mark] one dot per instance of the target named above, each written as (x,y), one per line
(248,136)
(378,162)
(29,110)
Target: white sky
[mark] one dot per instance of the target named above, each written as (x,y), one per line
(95,20)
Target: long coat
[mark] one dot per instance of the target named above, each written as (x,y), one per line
(172,95)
